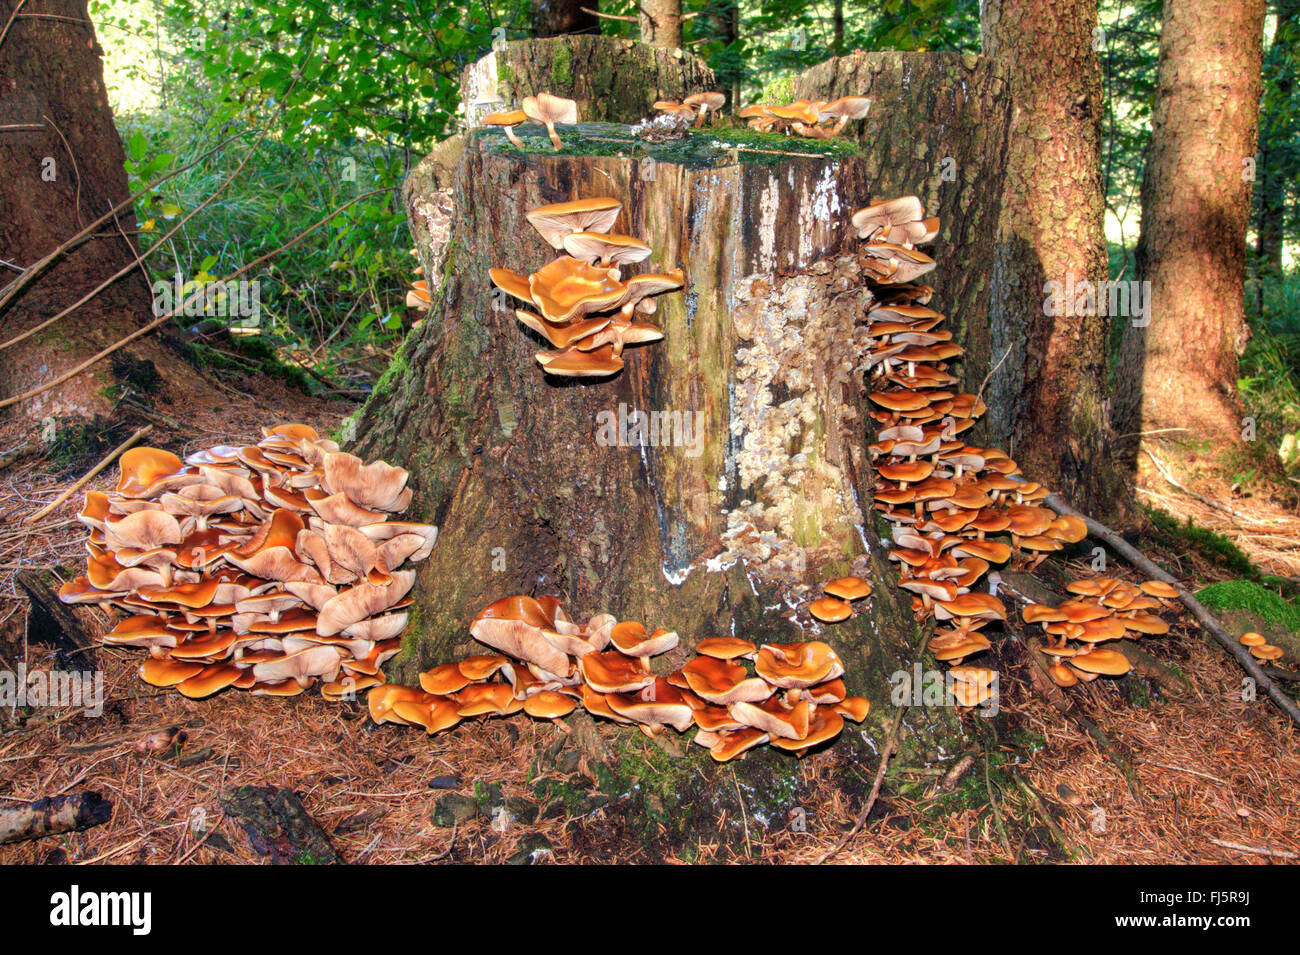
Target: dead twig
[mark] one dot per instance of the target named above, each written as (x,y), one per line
(104,462)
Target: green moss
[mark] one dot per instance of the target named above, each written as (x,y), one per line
(1252,598)
(1211,546)
(561,66)
(242,354)
(706,147)
(395,371)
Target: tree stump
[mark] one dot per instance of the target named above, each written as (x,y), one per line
(937,129)
(755,484)
(613,80)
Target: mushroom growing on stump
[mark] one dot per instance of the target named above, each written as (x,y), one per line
(584,308)
(548,110)
(703,103)
(241,565)
(507,122)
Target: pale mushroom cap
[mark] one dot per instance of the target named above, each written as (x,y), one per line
(608,247)
(548,109)
(559,219)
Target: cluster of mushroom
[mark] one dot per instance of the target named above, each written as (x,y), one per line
(544,109)
(693,108)
(546,665)
(1102,609)
(812,119)
(264,568)
(585,309)
(1260,648)
(950,502)
(837,604)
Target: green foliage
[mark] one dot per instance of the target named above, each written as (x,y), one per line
(1254,599)
(1270,371)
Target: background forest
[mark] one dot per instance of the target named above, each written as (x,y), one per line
(185,75)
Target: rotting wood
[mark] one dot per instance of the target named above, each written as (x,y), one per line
(52,815)
(52,623)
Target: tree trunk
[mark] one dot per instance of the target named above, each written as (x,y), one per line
(661,23)
(63,166)
(548,487)
(937,129)
(1047,398)
(1180,371)
(613,80)
(560,17)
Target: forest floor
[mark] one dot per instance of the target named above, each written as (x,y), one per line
(1193,774)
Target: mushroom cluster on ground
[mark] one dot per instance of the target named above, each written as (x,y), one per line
(265,568)
(956,509)
(1260,648)
(546,665)
(1100,609)
(812,119)
(585,308)
(544,109)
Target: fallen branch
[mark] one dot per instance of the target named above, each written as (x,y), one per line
(104,462)
(1203,616)
(50,816)
(1256,850)
(52,622)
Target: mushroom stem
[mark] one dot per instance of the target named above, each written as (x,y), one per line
(510,135)
(699,117)
(555,137)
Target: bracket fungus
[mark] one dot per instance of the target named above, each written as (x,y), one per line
(586,311)
(267,568)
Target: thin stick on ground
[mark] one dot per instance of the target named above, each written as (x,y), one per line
(890,742)
(1145,564)
(104,462)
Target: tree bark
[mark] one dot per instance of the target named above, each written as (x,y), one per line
(560,17)
(1180,371)
(1047,398)
(937,129)
(762,357)
(63,166)
(661,23)
(613,80)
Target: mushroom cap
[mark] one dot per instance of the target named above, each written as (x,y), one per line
(710,100)
(1041,613)
(548,109)
(573,363)
(723,683)
(826,723)
(830,609)
(854,708)
(362,600)
(774,717)
(558,219)
(631,638)
(1102,661)
(1158,588)
(512,283)
(797,665)
(1253,639)
(142,470)
(974,605)
(613,672)
(608,247)
(1266,652)
(511,117)
(733,743)
(549,705)
(568,288)
(444,679)
(434,714)
(726,648)
(846,107)
(165,672)
(1062,675)
(211,679)
(657,703)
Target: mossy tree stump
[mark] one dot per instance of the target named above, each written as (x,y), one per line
(763,488)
